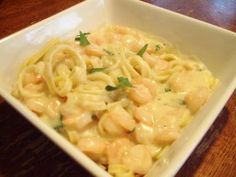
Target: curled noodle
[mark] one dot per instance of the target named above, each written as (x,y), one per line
(60,83)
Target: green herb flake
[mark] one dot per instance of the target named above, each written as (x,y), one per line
(122,83)
(60,125)
(108,52)
(94,117)
(82,39)
(94,70)
(182,102)
(132,131)
(167,89)
(110,88)
(142,50)
(158,47)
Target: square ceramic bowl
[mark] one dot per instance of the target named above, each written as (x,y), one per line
(215,46)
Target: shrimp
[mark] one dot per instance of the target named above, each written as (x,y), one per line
(121,30)
(140,94)
(74,116)
(151,60)
(96,38)
(117,122)
(110,37)
(178,82)
(94,50)
(117,149)
(196,98)
(78,122)
(161,65)
(132,43)
(138,159)
(131,40)
(122,118)
(188,80)
(36,105)
(43,105)
(144,114)
(143,92)
(35,87)
(150,84)
(53,108)
(144,134)
(151,48)
(156,62)
(107,126)
(166,130)
(94,147)
(32,78)
(96,62)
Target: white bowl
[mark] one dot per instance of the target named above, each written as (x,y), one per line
(215,46)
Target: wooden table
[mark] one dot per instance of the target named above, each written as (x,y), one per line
(25,152)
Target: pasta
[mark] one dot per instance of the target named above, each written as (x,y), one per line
(120,95)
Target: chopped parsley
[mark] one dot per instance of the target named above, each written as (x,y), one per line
(182,102)
(142,50)
(110,88)
(158,47)
(167,89)
(132,131)
(82,38)
(94,70)
(60,124)
(122,83)
(108,52)
(94,117)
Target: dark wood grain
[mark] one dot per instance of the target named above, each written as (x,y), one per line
(25,152)
(18,14)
